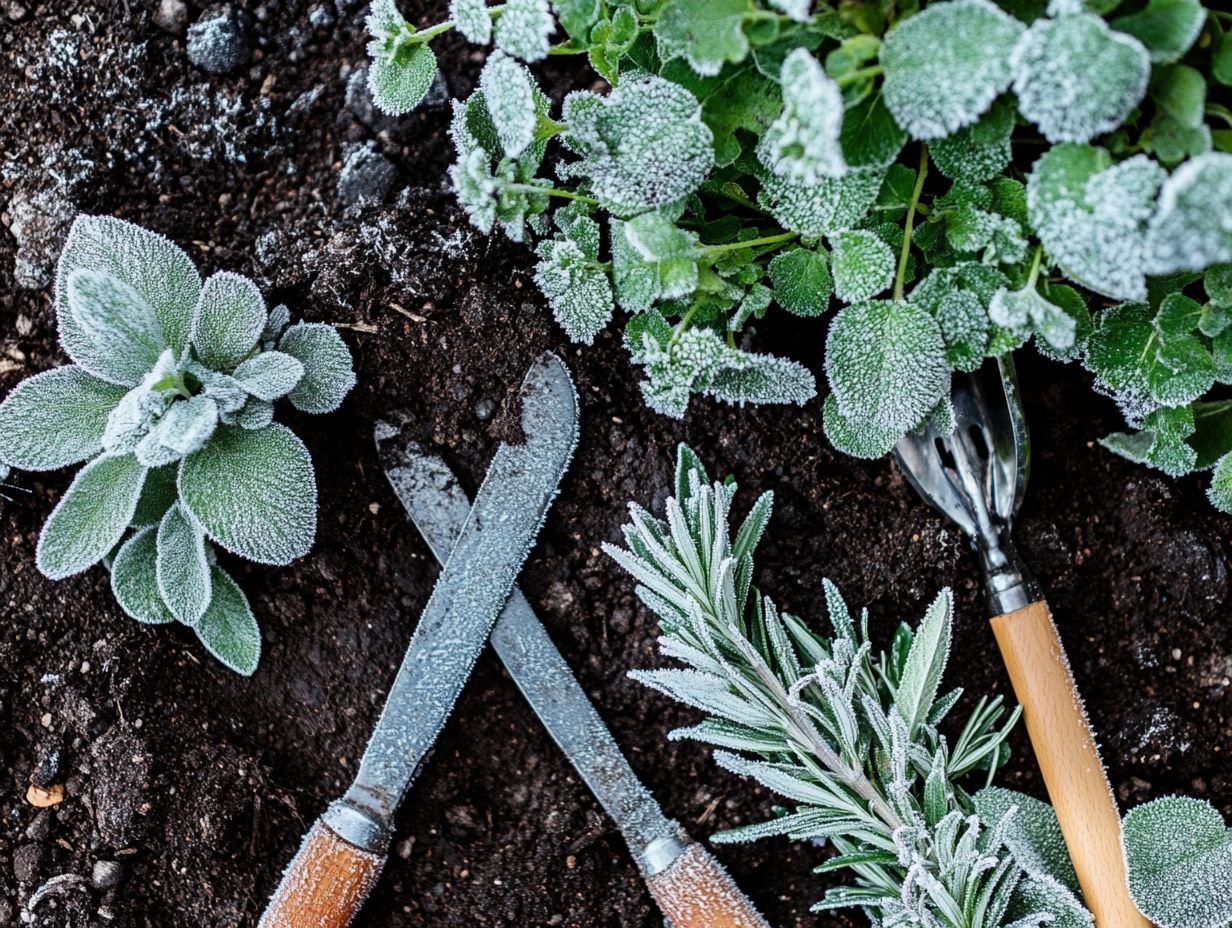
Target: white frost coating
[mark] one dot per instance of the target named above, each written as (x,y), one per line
(154,266)
(471,175)
(77,403)
(182,569)
(1075,78)
(1179,856)
(886,361)
(399,79)
(855,435)
(1034,835)
(228,320)
(525,28)
(269,375)
(642,146)
(119,323)
(831,205)
(383,17)
(91,517)
(862,265)
(329,374)
(134,582)
(977,152)
(228,629)
(254,493)
(925,664)
(1092,217)
(577,288)
(187,425)
(510,97)
(256,414)
(472,19)
(353,879)
(794,9)
(1027,310)
(945,66)
(1191,228)
(802,144)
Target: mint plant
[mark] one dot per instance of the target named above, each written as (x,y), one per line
(852,739)
(946,179)
(170,404)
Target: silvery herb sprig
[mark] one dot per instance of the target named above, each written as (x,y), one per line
(944,179)
(170,404)
(852,739)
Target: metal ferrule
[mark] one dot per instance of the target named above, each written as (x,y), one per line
(661,853)
(356,827)
(1008,585)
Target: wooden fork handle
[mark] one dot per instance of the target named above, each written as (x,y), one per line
(694,891)
(1069,760)
(325,884)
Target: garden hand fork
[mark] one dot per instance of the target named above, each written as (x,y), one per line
(977,477)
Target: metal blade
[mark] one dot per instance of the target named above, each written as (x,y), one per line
(510,507)
(438,507)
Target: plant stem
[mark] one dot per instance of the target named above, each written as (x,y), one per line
(1214,109)
(683,325)
(852,76)
(901,275)
(552,192)
(1035,266)
(750,243)
(419,36)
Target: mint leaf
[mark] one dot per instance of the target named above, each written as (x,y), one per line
(802,145)
(707,35)
(400,76)
(1166,27)
(831,205)
(525,28)
(119,324)
(862,264)
(801,280)
(472,19)
(1192,226)
(509,93)
(328,375)
(978,152)
(860,437)
(577,288)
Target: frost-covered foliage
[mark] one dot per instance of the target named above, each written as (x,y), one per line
(847,736)
(993,171)
(170,404)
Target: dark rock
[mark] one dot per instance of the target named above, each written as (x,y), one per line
(106,873)
(218,41)
(121,786)
(367,176)
(28,861)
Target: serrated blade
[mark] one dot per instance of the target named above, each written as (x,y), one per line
(438,507)
(497,535)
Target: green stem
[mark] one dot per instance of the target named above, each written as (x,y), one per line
(1035,266)
(1214,109)
(900,276)
(683,325)
(552,192)
(750,243)
(419,36)
(852,76)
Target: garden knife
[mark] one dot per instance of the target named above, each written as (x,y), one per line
(343,854)
(690,886)
(976,475)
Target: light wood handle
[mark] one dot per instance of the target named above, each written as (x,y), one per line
(325,884)
(1069,761)
(696,892)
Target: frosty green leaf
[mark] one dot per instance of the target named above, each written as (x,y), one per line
(1192,225)
(154,266)
(802,282)
(1027,310)
(229,629)
(256,414)
(1034,835)
(328,374)
(860,437)
(643,145)
(577,288)
(652,260)
(925,665)
(510,97)
(707,35)
(134,582)
(1179,855)
(870,137)
(187,426)
(91,517)
(945,65)
(1166,27)
(271,374)
(802,145)
(831,205)
(524,29)
(886,361)
(119,323)
(79,405)
(1220,490)
(862,264)
(1053,64)
(228,321)
(254,493)
(472,19)
(400,76)
(181,566)
(977,152)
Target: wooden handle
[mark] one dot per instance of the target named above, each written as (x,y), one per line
(1069,760)
(325,885)
(696,892)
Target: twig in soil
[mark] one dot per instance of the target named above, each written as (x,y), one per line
(53,887)
(366,327)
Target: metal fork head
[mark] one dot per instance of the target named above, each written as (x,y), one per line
(977,474)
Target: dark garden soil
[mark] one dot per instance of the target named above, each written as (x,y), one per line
(187,788)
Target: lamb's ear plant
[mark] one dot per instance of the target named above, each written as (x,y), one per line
(954,178)
(852,739)
(170,404)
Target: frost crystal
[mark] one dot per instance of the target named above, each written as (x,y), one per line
(1053,66)
(1192,225)
(1091,215)
(576,286)
(862,264)
(802,282)
(945,65)
(832,205)
(643,145)
(1026,310)
(524,29)
(472,19)
(978,152)
(802,145)
(510,98)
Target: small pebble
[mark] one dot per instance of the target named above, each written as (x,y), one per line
(405,847)
(27,862)
(484,410)
(43,796)
(15,11)
(367,175)
(217,41)
(106,873)
(172,16)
